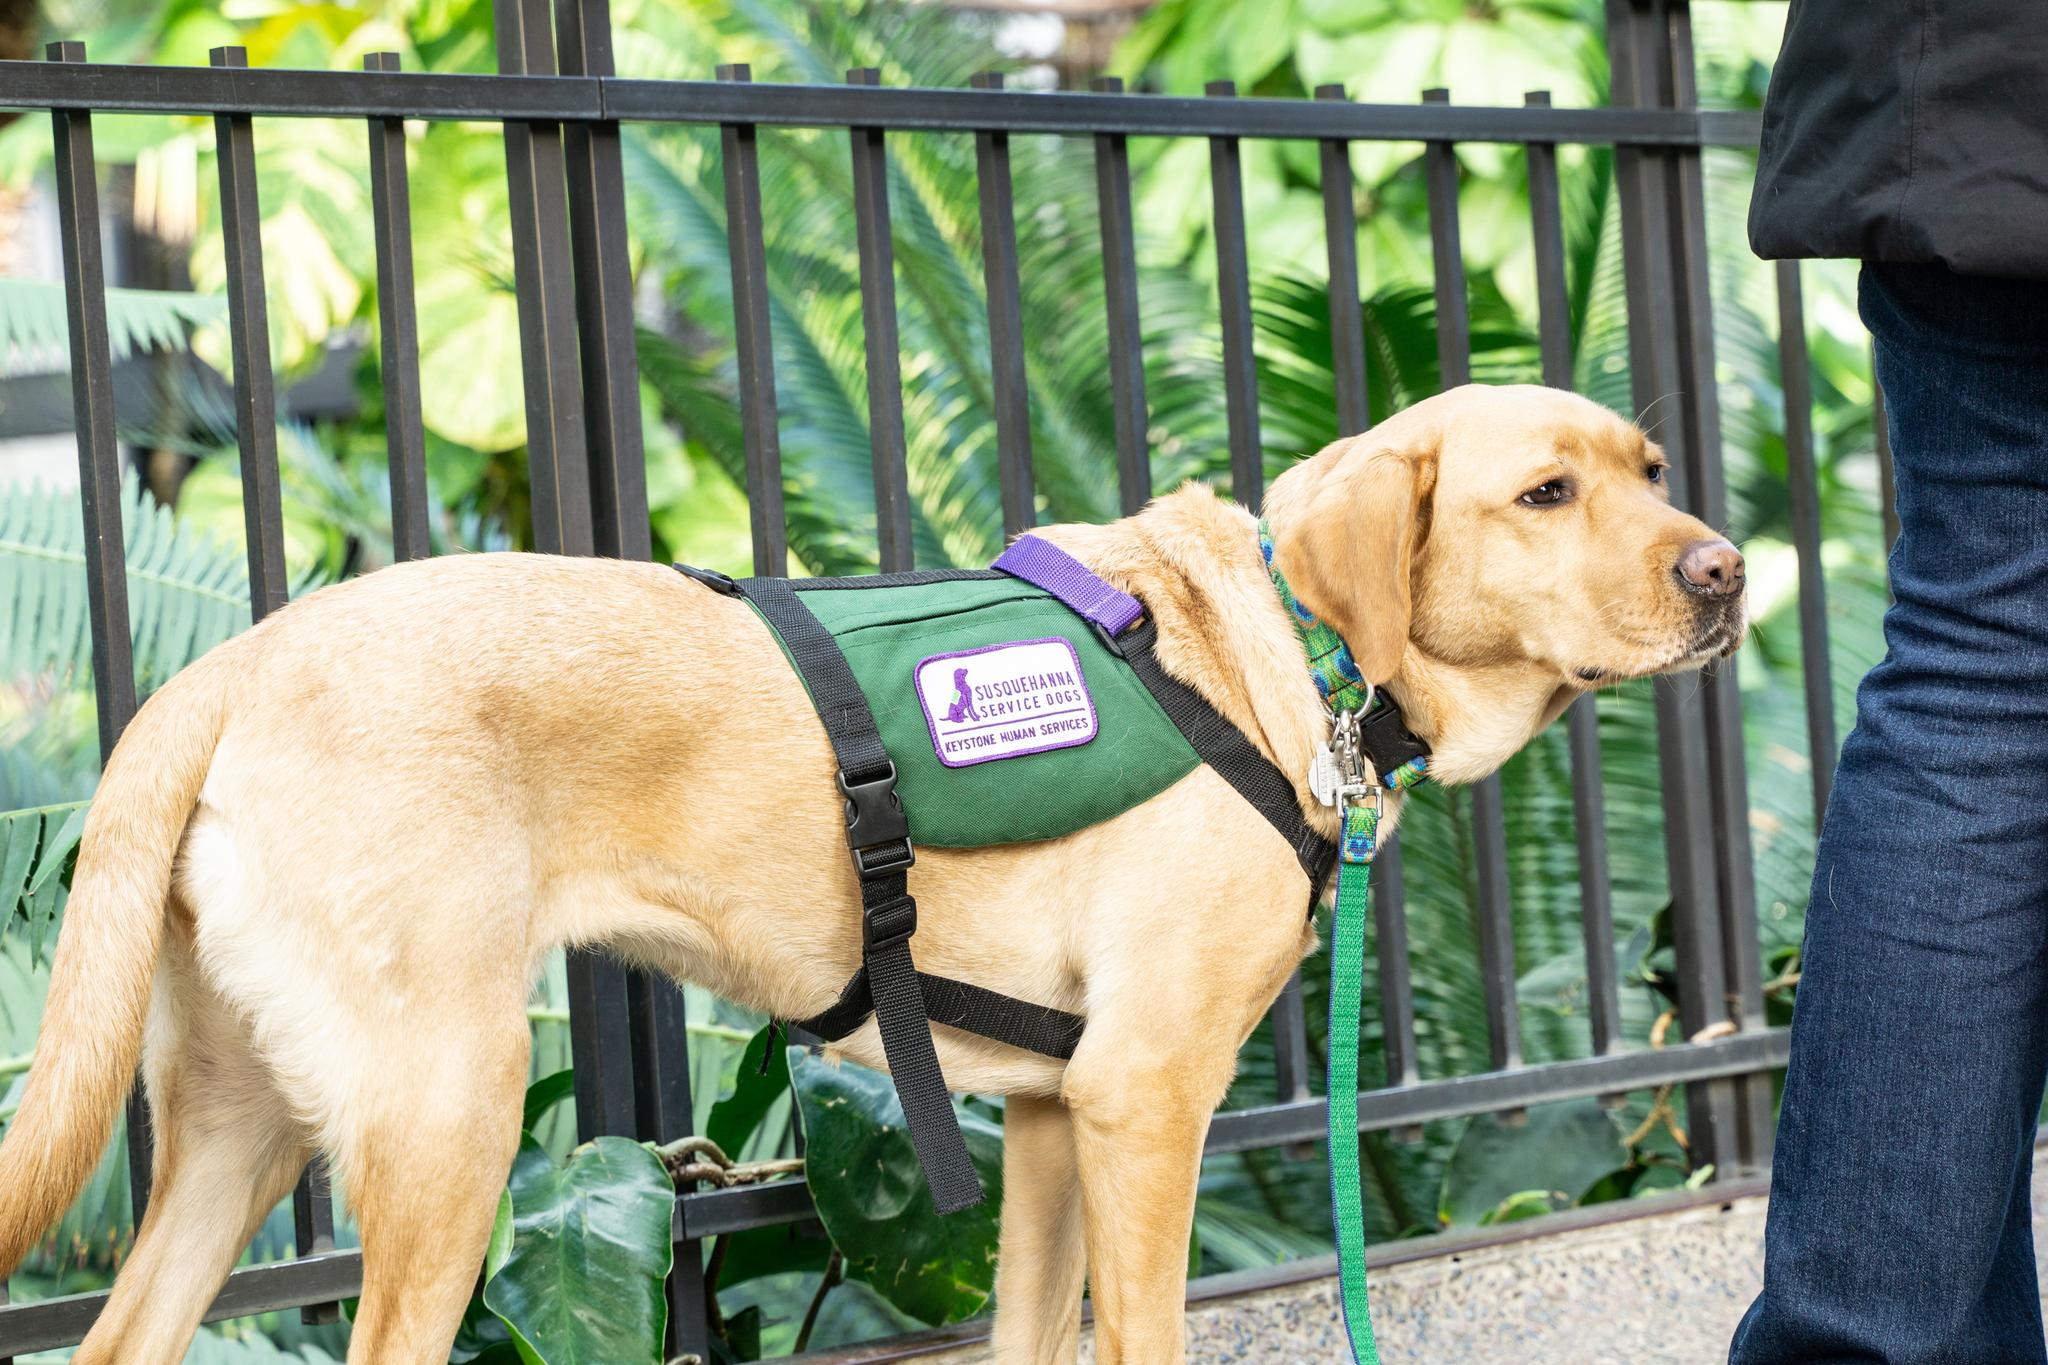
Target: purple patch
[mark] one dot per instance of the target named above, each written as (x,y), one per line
(1004,701)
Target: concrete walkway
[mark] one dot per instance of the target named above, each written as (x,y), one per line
(1659,1282)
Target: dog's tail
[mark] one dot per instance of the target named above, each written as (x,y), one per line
(113,925)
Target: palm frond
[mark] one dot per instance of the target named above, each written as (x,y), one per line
(35,336)
(36,848)
(96,1231)
(186,592)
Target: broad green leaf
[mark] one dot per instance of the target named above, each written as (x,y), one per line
(1661,1180)
(499,1250)
(1616,1184)
(581,1283)
(1558,1149)
(757,1252)
(734,1118)
(873,1200)
(544,1094)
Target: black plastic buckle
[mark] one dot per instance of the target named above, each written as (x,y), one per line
(712,579)
(887,924)
(1385,738)
(877,831)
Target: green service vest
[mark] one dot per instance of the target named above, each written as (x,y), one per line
(1007,717)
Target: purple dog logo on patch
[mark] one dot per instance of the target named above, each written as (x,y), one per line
(1004,701)
(963,700)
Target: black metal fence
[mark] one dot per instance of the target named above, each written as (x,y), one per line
(569,232)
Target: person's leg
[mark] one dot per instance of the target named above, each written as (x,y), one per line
(1899,1223)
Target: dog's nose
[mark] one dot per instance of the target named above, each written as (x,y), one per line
(1711,568)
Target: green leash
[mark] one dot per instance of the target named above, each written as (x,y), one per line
(1341,778)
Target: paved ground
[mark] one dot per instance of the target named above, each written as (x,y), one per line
(1663,1289)
(1686,1276)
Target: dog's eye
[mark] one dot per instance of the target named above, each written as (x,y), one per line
(1656,472)
(1547,494)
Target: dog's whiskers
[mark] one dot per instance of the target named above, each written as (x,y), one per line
(1650,431)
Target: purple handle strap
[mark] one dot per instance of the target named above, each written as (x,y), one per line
(1044,565)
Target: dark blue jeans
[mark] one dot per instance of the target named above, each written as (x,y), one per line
(1900,1226)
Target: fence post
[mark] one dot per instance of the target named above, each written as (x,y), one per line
(557,446)
(1671,352)
(1728,767)
(99,481)
(241,217)
(1120,297)
(399,331)
(1011,388)
(754,349)
(877,251)
(593,159)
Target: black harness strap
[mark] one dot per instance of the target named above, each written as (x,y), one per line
(878,836)
(905,1001)
(1223,747)
(970,1008)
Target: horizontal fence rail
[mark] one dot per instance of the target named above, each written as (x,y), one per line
(590,99)
(586,455)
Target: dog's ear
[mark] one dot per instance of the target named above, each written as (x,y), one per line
(1349,537)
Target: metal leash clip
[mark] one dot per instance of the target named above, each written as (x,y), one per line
(1339,774)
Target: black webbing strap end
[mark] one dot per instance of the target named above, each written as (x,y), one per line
(712,579)
(1114,643)
(907,1042)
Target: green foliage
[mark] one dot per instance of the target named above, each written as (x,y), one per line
(675,196)
(210,1348)
(1547,1158)
(762,1080)
(544,1094)
(81,1252)
(186,592)
(579,1254)
(35,334)
(873,1200)
(37,847)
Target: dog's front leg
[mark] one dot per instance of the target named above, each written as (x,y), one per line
(1043,1263)
(1138,1131)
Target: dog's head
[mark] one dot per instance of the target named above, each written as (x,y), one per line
(1518,532)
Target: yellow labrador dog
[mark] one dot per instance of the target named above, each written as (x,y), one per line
(326,860)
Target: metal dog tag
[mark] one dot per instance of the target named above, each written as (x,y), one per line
(1325,776)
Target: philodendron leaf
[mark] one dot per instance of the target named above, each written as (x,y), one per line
(581,1281)
(734,1118)
(873,1200)
(1564,1148)
(544,1094)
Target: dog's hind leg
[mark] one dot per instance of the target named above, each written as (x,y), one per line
(1044,1261)
(227,1149)
(424,1149)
